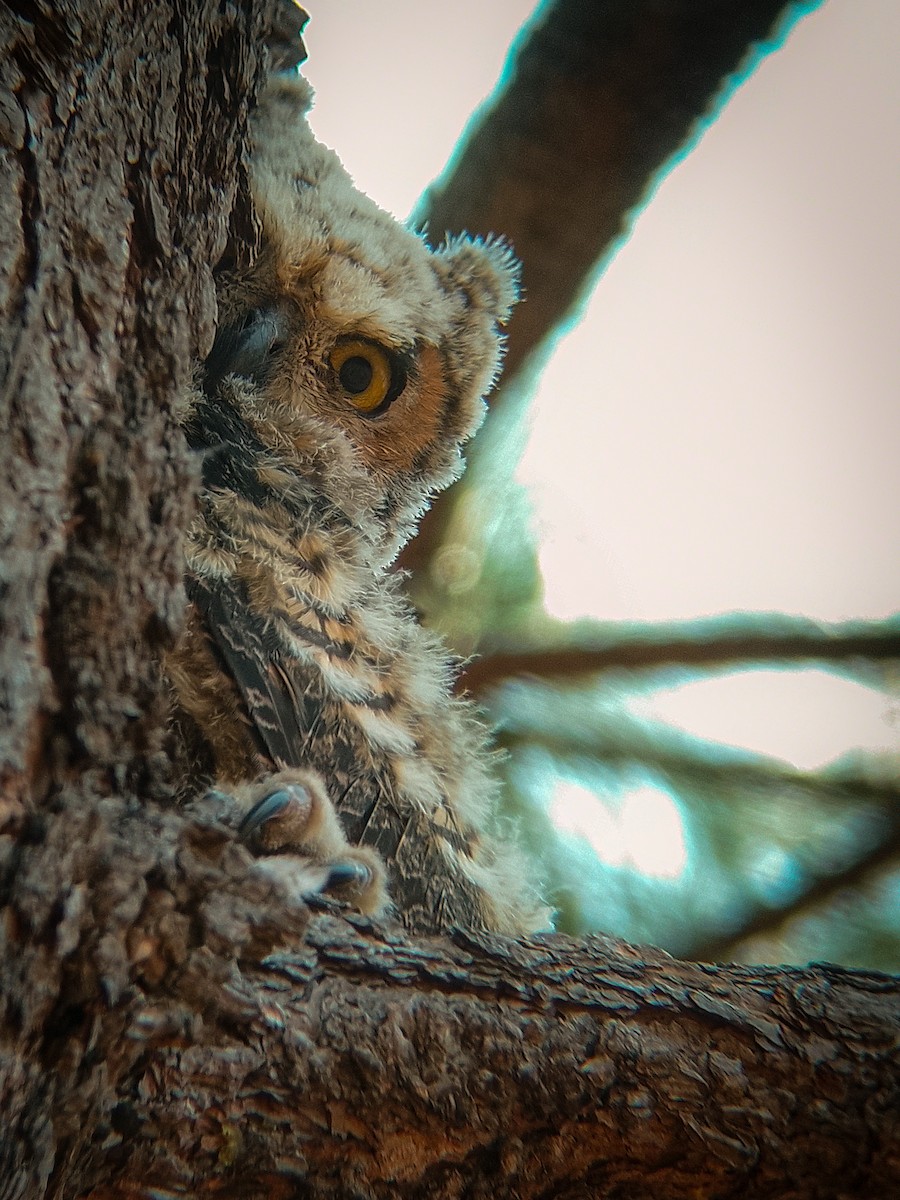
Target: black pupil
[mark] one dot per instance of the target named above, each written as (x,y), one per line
(355,375)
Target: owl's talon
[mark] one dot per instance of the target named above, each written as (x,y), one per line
(359,879)
(274,806)
(292,811)
(341,874)
(289,824)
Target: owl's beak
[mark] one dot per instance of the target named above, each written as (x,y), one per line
(244,348)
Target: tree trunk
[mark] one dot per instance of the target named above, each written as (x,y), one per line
(169,1026)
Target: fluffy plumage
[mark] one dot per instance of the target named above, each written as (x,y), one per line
(349,369)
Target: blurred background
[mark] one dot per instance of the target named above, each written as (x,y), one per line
(674,558)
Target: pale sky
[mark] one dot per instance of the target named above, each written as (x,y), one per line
(739,448)
(721,431)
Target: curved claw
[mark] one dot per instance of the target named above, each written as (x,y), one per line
(275,805)
(341,874)
(359,879)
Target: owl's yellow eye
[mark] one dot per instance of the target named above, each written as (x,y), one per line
(370,376)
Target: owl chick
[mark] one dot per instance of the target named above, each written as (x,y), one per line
(349,368)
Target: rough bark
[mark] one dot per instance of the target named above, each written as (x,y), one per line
(169,1025)
(367,1065)
(121,132)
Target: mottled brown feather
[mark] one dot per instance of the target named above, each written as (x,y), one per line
(302,651)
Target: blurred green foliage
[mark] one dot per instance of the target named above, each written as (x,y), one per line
(777,864)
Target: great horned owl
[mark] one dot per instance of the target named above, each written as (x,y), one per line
(349,368)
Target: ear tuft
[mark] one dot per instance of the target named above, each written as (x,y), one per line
(486,269)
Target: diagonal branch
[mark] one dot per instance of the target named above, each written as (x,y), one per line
(817,891)
(598,99)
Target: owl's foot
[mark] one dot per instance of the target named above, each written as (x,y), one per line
(289,822)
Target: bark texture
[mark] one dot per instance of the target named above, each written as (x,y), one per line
(169,1024)
(121,132)
(365,1064)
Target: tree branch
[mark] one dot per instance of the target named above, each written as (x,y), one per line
(710,765)
(530,1069)
(816,891)
(696,644)
(598,98)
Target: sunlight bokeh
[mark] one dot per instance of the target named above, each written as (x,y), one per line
(641,829)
